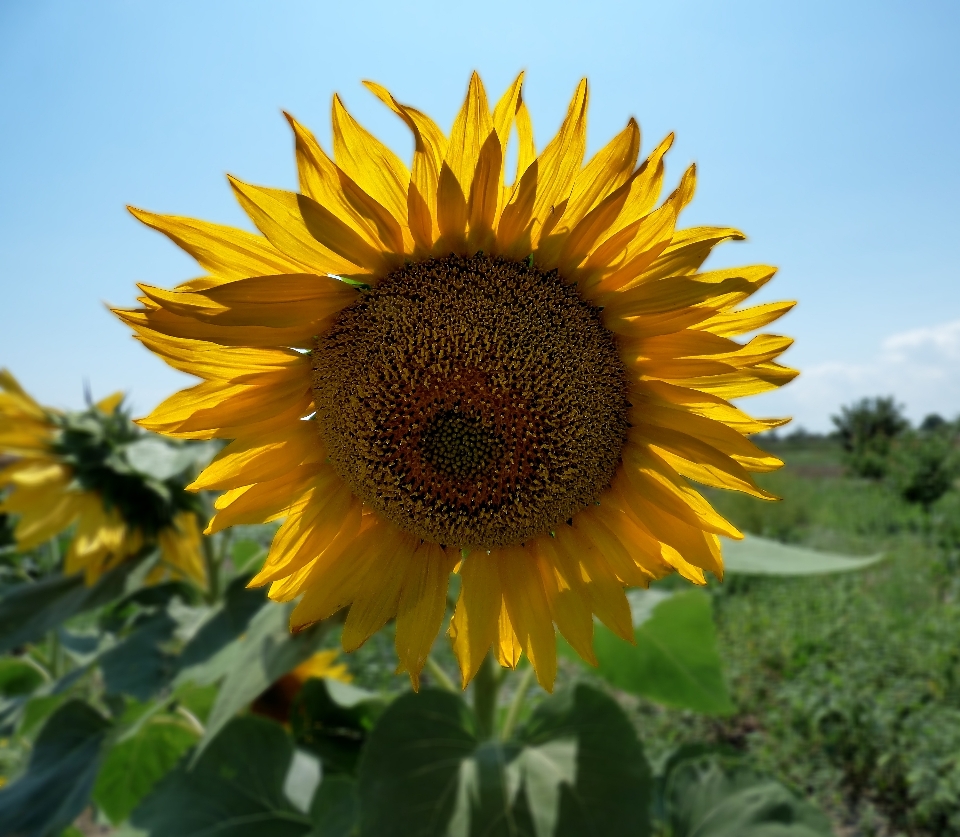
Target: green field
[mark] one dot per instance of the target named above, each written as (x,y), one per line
(847,687)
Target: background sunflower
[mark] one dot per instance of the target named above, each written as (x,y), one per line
(79,469)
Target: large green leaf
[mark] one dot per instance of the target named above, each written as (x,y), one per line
(260,657)
(138,665)
(333,720)
(675,659)
(135,765)
(28,611)
(160,459)
(19,678)
(60,775)
(575,769)
(235,789)
(704,799)
(225,624)
(335,810)
(760,556)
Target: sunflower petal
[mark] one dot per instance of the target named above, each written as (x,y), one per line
(373,166)
(422,605)
(323,181)
(474,626)
(226,252)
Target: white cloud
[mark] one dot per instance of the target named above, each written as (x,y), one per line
(919,367)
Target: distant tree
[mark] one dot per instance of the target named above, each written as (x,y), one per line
(866,430)
(932,422)
(923,466)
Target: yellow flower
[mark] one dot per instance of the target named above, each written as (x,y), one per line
(509,382)
(61,475)
(323,664)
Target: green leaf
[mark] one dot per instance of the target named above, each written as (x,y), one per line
(138,666)
(761,556)
(703,799)
(576,768)
(235,789)
(261,656)
(18,677)
(675,659)
(60,775)
(335,810)
(332,720)
(161,460)
(135,765)
(28,611)
(231,619)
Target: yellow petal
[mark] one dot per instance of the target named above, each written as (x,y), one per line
(323,181)
(258,459)
(473,628)
(545,183)
(423,601)
(215,405)
(226,252)
(430,146)
(299,226)
(161,321)
(305,536)
(751,381)
(472,129)
(507,648)
(218,363)
(373,166)
(655,480)
(529,611)
(733,323)
(378,596)
(604,589)
(337,586)
(688,249)
(697,460)
(287,301)
(567,597)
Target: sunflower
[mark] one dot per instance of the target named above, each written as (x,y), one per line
(66,470)
(425,371)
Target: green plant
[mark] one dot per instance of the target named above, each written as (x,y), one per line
(866,430)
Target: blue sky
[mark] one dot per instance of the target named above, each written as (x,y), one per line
(826,131)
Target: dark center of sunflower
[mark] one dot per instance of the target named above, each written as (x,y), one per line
(473,401)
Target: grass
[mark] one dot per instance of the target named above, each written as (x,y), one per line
(847,687)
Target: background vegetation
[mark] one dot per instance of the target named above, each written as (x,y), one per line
(743,711)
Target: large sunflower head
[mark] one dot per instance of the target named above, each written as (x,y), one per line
(73,468)
(426,370)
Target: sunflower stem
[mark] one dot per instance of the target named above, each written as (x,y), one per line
(485,687)
(213,571)
(513,712)
(442,678)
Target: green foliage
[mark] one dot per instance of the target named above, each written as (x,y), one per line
(137,763)
(575,768)
(866,430)
(925,465)
(760,556)
(674,661)
(332,720)
(30,610)
(235,788)
(705,797)
(848,685)
(261,656)
(63,767)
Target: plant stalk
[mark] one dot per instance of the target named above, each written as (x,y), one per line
(513,713)
(485,687)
